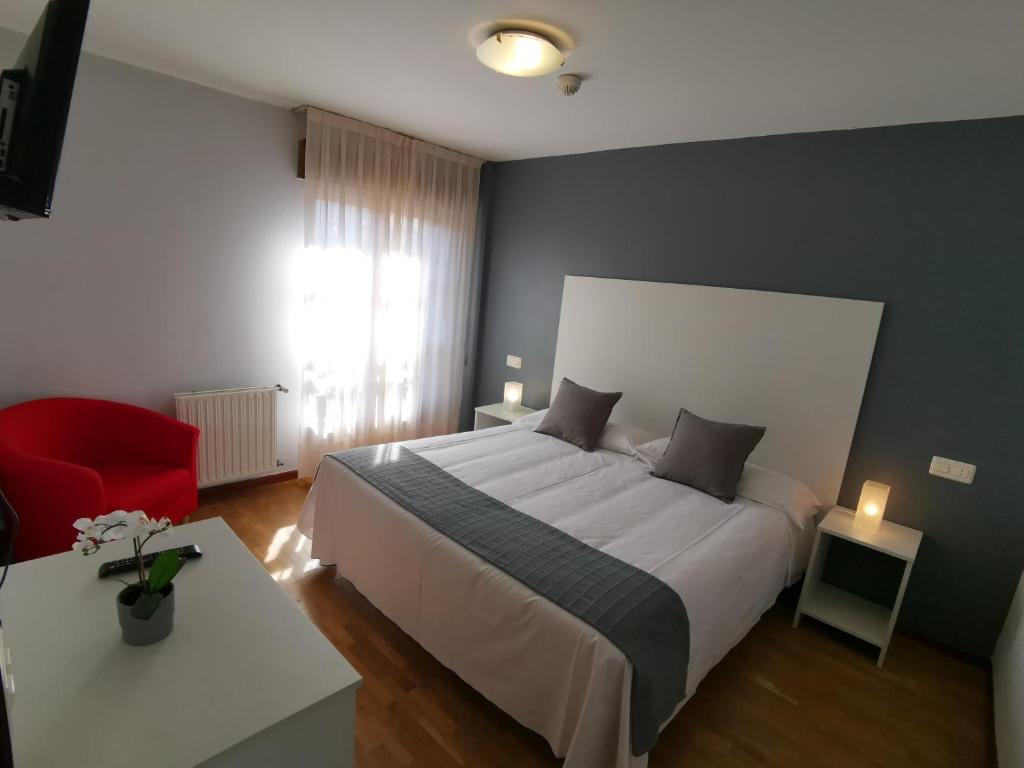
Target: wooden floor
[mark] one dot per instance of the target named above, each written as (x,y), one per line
(782,697)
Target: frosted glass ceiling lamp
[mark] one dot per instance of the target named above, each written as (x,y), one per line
(871,507)
(519,53)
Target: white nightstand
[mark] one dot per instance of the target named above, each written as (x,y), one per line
(498,415)
(843,610)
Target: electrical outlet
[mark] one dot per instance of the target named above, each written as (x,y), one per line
(949,469)
(513,361)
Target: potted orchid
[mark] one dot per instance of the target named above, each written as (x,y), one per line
(145,609)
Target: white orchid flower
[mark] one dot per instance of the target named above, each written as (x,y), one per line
(112,518)
(135,524)
(85,544)
(113,525)
(119,524)
(160,526)
(87,529)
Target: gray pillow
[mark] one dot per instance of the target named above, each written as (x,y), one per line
(578,414)
(707,455)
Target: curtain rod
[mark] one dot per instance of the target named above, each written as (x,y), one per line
(306,107)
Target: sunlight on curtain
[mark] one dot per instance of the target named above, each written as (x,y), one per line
(384,286)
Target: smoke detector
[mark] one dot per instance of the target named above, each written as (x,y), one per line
(569,84)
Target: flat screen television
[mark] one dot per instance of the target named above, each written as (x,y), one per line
(35,95)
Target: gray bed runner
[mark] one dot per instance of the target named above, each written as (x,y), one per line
(637,612)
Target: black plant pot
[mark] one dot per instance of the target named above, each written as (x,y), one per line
(136,631)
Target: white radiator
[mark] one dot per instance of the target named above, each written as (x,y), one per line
(237,431)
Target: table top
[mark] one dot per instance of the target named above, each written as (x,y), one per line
(502,411)
(891,538)
(242,657)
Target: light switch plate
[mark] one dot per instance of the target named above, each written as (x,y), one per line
(513,361)
(949,469)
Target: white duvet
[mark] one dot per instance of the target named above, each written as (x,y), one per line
(543,666)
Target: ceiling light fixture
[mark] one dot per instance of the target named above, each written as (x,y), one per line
(519,53)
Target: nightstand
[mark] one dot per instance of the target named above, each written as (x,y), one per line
(498,415)
(843,610)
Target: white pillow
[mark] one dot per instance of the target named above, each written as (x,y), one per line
(620,438)
(765,486)
(623,438)
(532,419)
(778,491)
(651,452)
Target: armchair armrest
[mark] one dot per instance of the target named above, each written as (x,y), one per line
(48,495)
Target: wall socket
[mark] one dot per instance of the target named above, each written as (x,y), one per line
(949,469)
(513,361)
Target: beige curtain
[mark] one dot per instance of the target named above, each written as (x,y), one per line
(385,283)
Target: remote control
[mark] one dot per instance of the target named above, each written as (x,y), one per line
(127,565)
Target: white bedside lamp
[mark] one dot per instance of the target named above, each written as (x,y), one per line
(513,394)
(871,507)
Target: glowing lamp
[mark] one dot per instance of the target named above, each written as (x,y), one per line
(519,53)
(871,507)
(513,394)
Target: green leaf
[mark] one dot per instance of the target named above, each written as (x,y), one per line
(164,568)
(146,605)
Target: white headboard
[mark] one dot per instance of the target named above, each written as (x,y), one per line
(795,364)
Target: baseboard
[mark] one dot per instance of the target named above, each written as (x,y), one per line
(950,650)
(213,491)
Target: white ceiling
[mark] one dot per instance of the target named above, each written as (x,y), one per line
(657,71)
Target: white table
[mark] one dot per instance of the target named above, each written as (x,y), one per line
(844,610)
(245,679)
(498,415)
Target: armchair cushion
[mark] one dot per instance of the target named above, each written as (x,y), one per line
(140,486)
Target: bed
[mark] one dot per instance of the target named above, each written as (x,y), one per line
(551,671)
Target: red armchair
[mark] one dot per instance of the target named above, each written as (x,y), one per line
(65,457)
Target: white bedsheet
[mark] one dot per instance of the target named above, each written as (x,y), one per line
(543,666)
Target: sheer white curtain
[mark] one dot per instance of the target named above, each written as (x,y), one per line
(385,282)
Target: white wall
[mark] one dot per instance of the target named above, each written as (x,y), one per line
(1008,685)
(165,266)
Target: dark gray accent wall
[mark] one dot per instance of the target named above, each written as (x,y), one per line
(927,218)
